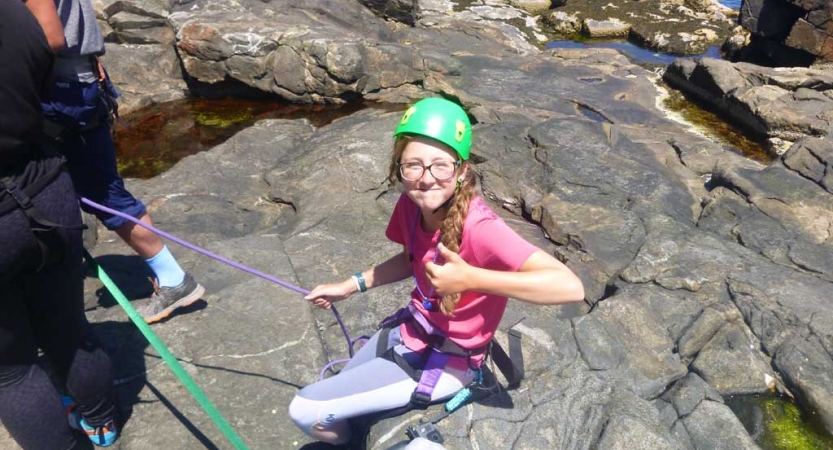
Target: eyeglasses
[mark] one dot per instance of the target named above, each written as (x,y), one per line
(440,170)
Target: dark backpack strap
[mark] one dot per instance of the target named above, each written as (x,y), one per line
(512,365)
(382,343)
(38,221)
(44,230)
(19,196)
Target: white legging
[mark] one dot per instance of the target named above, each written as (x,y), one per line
(367,384)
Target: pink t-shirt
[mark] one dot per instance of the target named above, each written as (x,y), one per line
(487,243)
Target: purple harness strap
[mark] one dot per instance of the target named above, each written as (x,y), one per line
(435,361)
(423,322)
(434,367)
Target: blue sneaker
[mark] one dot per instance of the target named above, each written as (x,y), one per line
(103,436)
(71,408)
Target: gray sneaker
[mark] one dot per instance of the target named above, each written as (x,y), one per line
(166,299)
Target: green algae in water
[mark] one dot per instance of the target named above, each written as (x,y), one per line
(223,117)
(161,135)
(778,424)
(716,127)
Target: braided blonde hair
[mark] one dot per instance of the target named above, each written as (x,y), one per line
(451,229)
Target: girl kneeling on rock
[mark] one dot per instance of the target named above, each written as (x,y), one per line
(465,262)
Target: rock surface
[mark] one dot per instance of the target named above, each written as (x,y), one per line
(784,103)
(697,289)
(665,26)
(790,32)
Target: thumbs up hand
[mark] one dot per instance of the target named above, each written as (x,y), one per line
(451,277)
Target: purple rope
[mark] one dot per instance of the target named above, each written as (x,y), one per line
(341,361)
(331,364)
(223,260)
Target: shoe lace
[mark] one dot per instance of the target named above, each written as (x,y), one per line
(156,287)
(102,431)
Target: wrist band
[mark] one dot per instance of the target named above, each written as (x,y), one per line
(356,280)
(360,282)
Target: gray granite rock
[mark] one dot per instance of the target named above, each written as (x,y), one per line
(732,363)
(571,150)
(805,366)
(801,26)
(713,426)
(778,103)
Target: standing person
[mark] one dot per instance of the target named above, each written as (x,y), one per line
(465,261)
(41,273)
(78,110)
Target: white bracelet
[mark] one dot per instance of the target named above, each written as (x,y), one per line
(356,280)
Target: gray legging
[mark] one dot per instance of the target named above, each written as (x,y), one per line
(366,385)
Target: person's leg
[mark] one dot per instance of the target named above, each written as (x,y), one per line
(91,158)
(91,161)
(322,409)
(366,352)
(143,241)
(55,297)
(30,407)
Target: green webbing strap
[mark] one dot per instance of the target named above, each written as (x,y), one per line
(168,357)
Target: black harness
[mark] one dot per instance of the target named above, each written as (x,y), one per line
(51,242)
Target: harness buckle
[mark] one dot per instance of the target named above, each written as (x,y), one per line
(420,399)
(19,196)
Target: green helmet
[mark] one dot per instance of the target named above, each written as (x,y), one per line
(439,119)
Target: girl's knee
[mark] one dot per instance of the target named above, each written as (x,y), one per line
(336,433)
(316,423)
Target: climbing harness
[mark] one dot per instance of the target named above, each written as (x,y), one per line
(47,233)
(105,113)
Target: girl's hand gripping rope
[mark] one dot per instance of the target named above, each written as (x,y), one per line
(324,295)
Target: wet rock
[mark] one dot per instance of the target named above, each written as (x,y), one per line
(807,367)
(783,103)
(399,10)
